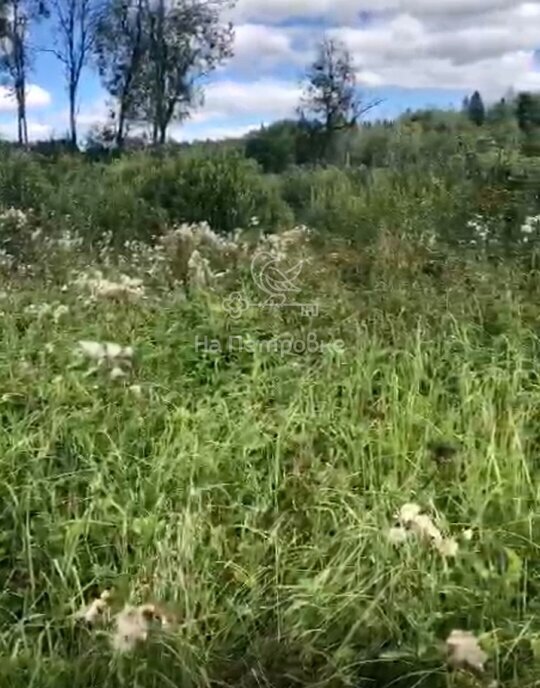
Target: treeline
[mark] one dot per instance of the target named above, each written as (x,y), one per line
(153,56)
(511,123)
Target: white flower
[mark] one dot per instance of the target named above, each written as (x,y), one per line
(530,225)
(117,373)
(464,652)
(413,521)
(424,527)
(408,513)
(95,610)
(199,272)
(94,350)
(131,628)
(14,216)
(398,535)
(99,351)
(99,287)
(447,547)
(468,534)
(136,390)
(59,312)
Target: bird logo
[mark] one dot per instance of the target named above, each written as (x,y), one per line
(272,278)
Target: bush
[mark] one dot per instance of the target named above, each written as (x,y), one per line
(225,190)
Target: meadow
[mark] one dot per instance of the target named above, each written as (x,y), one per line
(199,488)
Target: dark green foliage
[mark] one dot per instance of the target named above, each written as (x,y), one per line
(274,147)
(223,189)
(476,109)
(528,111)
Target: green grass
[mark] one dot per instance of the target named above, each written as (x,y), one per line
(253,492)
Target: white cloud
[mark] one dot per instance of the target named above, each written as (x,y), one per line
(267,98)
(273,46)
(446,44)
(348,10)
(36,130)
(491,56)
(211,133)
(35,97)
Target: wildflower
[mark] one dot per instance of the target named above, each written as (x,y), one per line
(398,535)
(117,373)
(95,610)
(447,547)
(199,272)
(99,287)
(131,628)
(408,513)
(14,216)
(411,520)
(478,227)
(60,311)
(93,350)
(530,225)
(110,351)
(423,526)
(68,241)
(464,651)
(136,390)
(133,625)
(468,534)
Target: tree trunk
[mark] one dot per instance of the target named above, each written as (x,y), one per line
(119,138)
(72,117)
(162,133)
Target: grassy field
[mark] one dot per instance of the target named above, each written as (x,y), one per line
(251,491)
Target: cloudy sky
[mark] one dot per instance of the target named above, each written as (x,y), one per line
(409,52)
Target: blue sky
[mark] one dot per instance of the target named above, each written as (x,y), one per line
(412,53)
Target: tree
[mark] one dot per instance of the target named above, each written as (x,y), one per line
(151,54)
(528,117)
(186,42)
(476,110)
(528,111)
(274,147)
(331,95)
(75,31)
(120,46)
(16,53)
(500,112)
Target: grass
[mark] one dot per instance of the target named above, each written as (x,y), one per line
(253,491)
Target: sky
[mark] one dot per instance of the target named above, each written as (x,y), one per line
(410,53)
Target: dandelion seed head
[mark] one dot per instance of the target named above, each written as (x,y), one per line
(409,513)
(398,535)
(447,547)
(131,628)
(464,651)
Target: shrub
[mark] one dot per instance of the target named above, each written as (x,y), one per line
(225,190)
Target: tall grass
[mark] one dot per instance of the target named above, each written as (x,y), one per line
(253,492)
